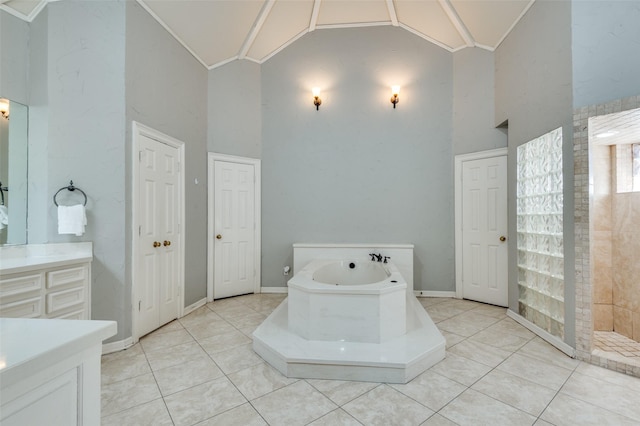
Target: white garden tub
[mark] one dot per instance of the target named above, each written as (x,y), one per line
(339,321)
(348,300)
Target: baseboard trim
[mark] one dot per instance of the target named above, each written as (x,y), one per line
(188,309)
(274,290)
(549,338)
(120,345)
(428,293)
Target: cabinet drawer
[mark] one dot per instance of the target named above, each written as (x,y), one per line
(66,276)
(20,285)
(59,300)
(28,308)
(76,315)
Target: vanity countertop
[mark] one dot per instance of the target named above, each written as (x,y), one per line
(30,345)
(17,259)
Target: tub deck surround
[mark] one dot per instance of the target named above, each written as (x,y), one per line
(396,360)
(376,332)
(16,259)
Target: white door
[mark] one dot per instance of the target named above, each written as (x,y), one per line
(234,229)
(484,230)
(159,245)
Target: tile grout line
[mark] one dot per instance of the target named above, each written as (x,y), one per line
(158,385)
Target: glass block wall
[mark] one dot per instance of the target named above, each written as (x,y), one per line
(539,222)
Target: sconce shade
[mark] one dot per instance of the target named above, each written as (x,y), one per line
(316,97)
(4,108)
(395,91)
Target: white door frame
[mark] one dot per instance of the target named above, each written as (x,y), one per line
(212,158)
(459,159)
(137,131)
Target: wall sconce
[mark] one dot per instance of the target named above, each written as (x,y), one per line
(4,108)
(316,97)
(395,91)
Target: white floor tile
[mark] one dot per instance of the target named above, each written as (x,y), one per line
(515,391)
(244,415)
(567,411)
(236,359)
(189,374)
(303,405)
(155,342)
(340,391)
(535,370)
(479,352)
(431,390)
(129,393)
(616,398)
(203,401)
(337,417)
(460,369)
(386,406)
(474,408)
(259,380)
(178,354)
(152,413)
(207,371)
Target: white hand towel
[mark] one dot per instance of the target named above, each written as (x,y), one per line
(4,217)
(71,219)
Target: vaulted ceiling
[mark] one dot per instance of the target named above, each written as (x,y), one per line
(219,31)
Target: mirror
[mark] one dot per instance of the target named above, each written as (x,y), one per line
(13,172)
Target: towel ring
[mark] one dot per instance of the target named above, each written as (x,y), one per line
(2,190)
(69,188)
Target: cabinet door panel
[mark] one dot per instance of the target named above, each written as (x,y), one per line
(20,285)
(59,300)
(66,276)
(27,308)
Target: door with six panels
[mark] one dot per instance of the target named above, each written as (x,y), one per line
(159,245)
(484,230)
(234,229)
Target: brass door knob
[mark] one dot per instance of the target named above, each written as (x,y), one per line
(156,243)
(218,237)
(503,238)
(166,243)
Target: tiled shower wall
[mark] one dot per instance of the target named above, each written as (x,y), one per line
(601,238)
(615,247)
(583,281)
(625,237)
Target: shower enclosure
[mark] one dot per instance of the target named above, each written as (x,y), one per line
(614,148)
(607,229)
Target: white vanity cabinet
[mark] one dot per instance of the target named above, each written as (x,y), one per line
(49,367)
(61,292)
(55,282)
(50,371)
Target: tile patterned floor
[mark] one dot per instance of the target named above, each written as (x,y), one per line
(201,370)
(609,344)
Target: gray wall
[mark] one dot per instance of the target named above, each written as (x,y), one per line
(358,170)
(606,50)
(166,89)
(534,93)
(235,110)
(94,67)
(473,99)
(86,101)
